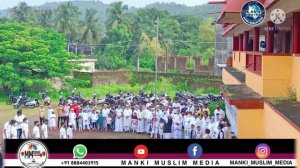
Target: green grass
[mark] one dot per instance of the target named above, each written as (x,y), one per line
(164,86)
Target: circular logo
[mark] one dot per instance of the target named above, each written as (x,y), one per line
(79,151)
(253,13)
(262,151)
(194,151)
(141,151)
(277,16)
(33,154)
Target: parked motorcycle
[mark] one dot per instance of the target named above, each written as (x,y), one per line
(12,99)
(26,103)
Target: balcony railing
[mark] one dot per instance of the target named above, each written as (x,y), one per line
(254,62)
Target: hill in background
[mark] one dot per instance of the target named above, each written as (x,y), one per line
(202,11)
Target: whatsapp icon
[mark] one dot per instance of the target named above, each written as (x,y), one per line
(79,151)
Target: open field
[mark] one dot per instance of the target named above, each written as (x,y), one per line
(7,112)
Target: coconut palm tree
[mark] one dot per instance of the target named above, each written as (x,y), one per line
(45,17)
(21,13)
(116,15)
(91,29)
(67,20)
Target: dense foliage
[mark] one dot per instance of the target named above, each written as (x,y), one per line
(29,55)
(128,38)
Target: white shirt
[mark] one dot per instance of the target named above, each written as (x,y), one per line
(105,112)
(149,115)
(50,112)
(25,127)
(70,132)
(62,133)
(6,129)
(13,132)
(36,132)
(85,116)
(220,112)
(148,104)
(127,113)
(94,117)
(108,120)
(189,120)
(19,119)
(175,105)
(44,129)
(72,116)
(119,112)
(177,118)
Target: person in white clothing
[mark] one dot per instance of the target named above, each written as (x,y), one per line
(211,127)
(119,120)
(94,118)
(204,122)
(141,121)
(44,129)
(62,132)
(85,119)
(219,112)
(145,111)
(19,120)
(189,120)
(52,124)
(127,118)
(25,129)
(108,123)
(6,130)
(50,112)
(70,132)
(80,123)
(13,130)
(198,133)
(177,119)
(105,112)
(36,130)
(149,116)
(72,119)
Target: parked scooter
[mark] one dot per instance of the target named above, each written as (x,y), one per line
(26,103)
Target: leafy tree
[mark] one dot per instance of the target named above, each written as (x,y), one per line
(21,13)
(29,55)
(67,20)
(118,40)
(91,29)
(207,34)
(45,17)
(116,15)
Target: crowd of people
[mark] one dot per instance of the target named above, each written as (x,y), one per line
(164,119)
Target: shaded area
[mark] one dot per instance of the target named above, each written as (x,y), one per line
(237,74)
(240,92)
(242,97)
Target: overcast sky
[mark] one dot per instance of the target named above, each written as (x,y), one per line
(137,3)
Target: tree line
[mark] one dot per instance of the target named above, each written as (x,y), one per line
(128,37)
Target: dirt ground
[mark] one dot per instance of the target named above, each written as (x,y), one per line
(7,112)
